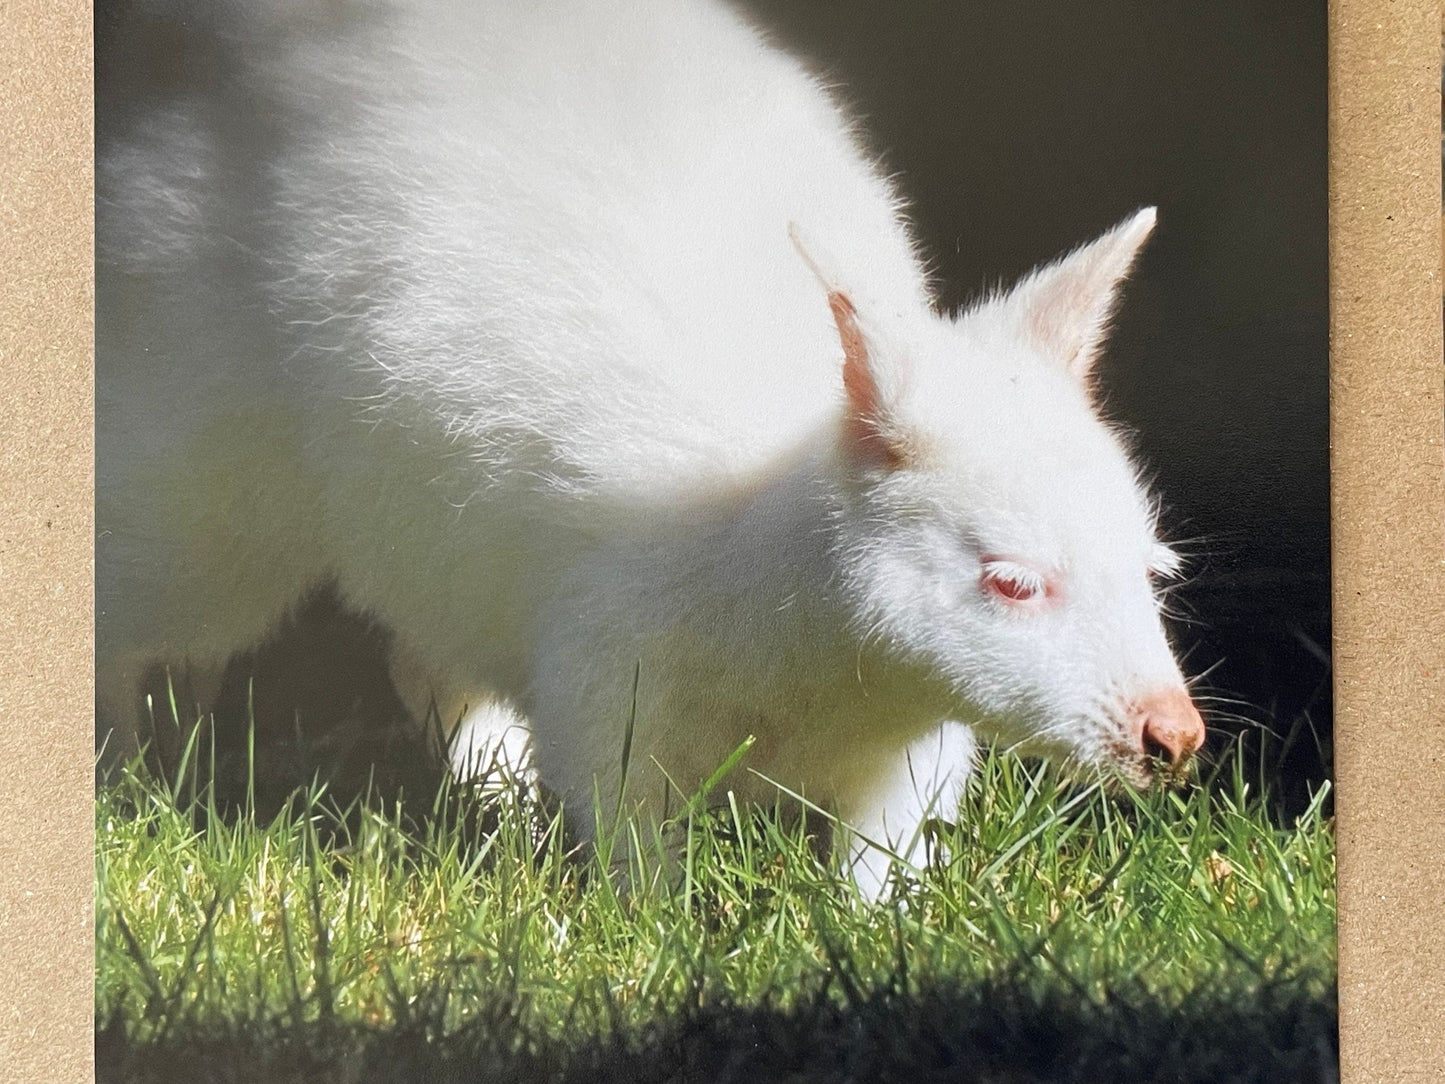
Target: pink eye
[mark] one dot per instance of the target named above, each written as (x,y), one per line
(1013,582)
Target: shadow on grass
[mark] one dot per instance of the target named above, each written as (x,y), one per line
(1001,1032)
(311,707)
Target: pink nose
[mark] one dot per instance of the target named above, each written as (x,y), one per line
(1168,723)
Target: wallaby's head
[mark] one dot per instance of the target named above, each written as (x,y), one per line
(996,535)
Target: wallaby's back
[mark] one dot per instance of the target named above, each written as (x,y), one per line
(560,229)
(374,278)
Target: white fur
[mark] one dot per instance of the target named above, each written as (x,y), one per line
(490,312)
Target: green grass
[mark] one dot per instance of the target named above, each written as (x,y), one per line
(1062,932)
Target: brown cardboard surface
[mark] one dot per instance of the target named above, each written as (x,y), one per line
(1389,535)
(46,869)
(1388,506)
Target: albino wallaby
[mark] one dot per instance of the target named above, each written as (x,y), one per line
(572,340)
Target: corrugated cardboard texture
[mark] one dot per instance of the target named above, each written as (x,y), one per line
(1388,504)
(46,456)
(1389,532)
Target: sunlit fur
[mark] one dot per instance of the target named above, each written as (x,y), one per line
(490,311)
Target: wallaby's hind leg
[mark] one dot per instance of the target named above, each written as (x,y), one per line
(481,730)
(494,735)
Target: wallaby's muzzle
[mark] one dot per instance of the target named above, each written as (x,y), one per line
(1167,725)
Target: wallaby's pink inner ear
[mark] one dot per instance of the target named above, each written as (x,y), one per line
(858,380)
(1065,307)
(864,428)
(866,433)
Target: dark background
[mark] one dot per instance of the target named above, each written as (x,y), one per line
(1021,129)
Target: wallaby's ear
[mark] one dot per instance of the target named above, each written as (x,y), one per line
(1064,307)
(870,437)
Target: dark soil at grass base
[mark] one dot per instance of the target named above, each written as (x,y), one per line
(997,1034)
